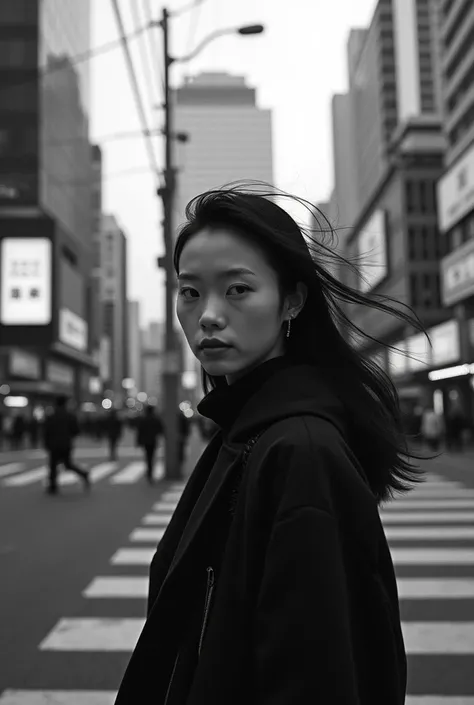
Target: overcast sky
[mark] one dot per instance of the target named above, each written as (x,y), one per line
(296,66)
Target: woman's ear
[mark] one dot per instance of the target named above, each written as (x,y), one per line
(296,301)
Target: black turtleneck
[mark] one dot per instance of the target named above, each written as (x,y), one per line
(223,404)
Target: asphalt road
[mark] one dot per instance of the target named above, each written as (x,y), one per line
(74,578)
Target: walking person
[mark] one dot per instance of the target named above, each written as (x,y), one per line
(273,583)
(113,432)
(60,429)
(432,428)
(149,431)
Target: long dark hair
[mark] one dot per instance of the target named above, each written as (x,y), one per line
(323,333)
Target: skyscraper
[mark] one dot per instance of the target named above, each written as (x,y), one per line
(45,200)
(456,187)
(114,297)
(229,139)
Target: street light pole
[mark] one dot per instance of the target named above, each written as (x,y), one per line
(172,358)
(171,365)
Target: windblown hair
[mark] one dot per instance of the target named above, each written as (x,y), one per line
(299,254)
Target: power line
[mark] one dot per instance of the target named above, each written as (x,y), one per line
(144,56)
(155,54)
(136,90)
(195,12)
(74,60)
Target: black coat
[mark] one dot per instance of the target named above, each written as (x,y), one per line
(149,428)
(304,607)
(59,431)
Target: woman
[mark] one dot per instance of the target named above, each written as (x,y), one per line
(273,583)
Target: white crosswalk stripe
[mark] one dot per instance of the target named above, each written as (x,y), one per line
(26,478)
(435,588)
(93,635)
(147,535)
(117,586)
(58,697)
(131,473)
(133,556)
(10,468)
(430,533)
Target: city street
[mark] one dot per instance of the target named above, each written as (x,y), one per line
(74,577)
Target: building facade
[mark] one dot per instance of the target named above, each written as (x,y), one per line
(389,127)
(45,199)
(456,194)
(135,345)
(229,139)
(113,258)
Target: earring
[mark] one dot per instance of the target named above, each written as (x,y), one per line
(288,330)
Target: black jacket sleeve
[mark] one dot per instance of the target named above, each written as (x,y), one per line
(303,650)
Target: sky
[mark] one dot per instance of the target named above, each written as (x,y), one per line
(296,66)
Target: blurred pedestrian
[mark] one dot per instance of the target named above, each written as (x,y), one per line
(33,428)
(60,429)
(184,427)
(455,427)
(113,432)
(18,432)
(432,428)
(149,431)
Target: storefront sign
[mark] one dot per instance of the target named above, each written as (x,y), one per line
(25,281)
(58,373)
(24,364)
(446,343)
(72,330)
(372,248)
(456,192)
(457,274)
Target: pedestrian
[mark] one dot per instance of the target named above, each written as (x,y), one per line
(18,432)
(149,430)
(432,428)
(60,429)
(184,428)
(455,427)
(113,431)
(273,582)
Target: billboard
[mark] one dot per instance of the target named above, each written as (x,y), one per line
(456,192)
(25,281)
(72,330)
(372,249)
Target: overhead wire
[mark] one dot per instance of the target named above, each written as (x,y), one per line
(136,92)
(143,46)
(156,58)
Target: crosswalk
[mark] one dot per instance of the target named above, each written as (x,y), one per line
(17,474)
(430,532)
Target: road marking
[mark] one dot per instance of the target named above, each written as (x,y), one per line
(133,556)
(438,637)
(93,635)
(429,533)
(164,507)
(171,497)
(153,535)
(117,586)
(427,504)
(428,517)
(435,588)
(435,484)
(439,700)
(26,478)
(432,556)
(131,473)
(156,520)
(440,493)
(102,470)
(10,468)
(58,697)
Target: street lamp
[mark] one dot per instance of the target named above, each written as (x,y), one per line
(171,365)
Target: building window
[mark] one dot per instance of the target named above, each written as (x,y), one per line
(410,196)
(412,254)
(18,53)
(413,290)
(18,12)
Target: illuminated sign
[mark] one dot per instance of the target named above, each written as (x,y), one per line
(72,329)
(57,373)
(456,192)
(372,247)
(25,281)
(457,274)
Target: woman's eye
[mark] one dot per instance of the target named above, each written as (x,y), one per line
(242,287)
(187,290)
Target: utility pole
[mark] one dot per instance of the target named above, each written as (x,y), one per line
(171,367)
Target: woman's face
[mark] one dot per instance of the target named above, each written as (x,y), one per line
(240,309)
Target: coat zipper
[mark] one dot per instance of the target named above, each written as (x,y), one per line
(207,604)
(171,679)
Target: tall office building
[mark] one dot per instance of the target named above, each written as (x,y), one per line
(114,297)
(45,199)
(134,344)
(388,132)
(456,188)
(229,139)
